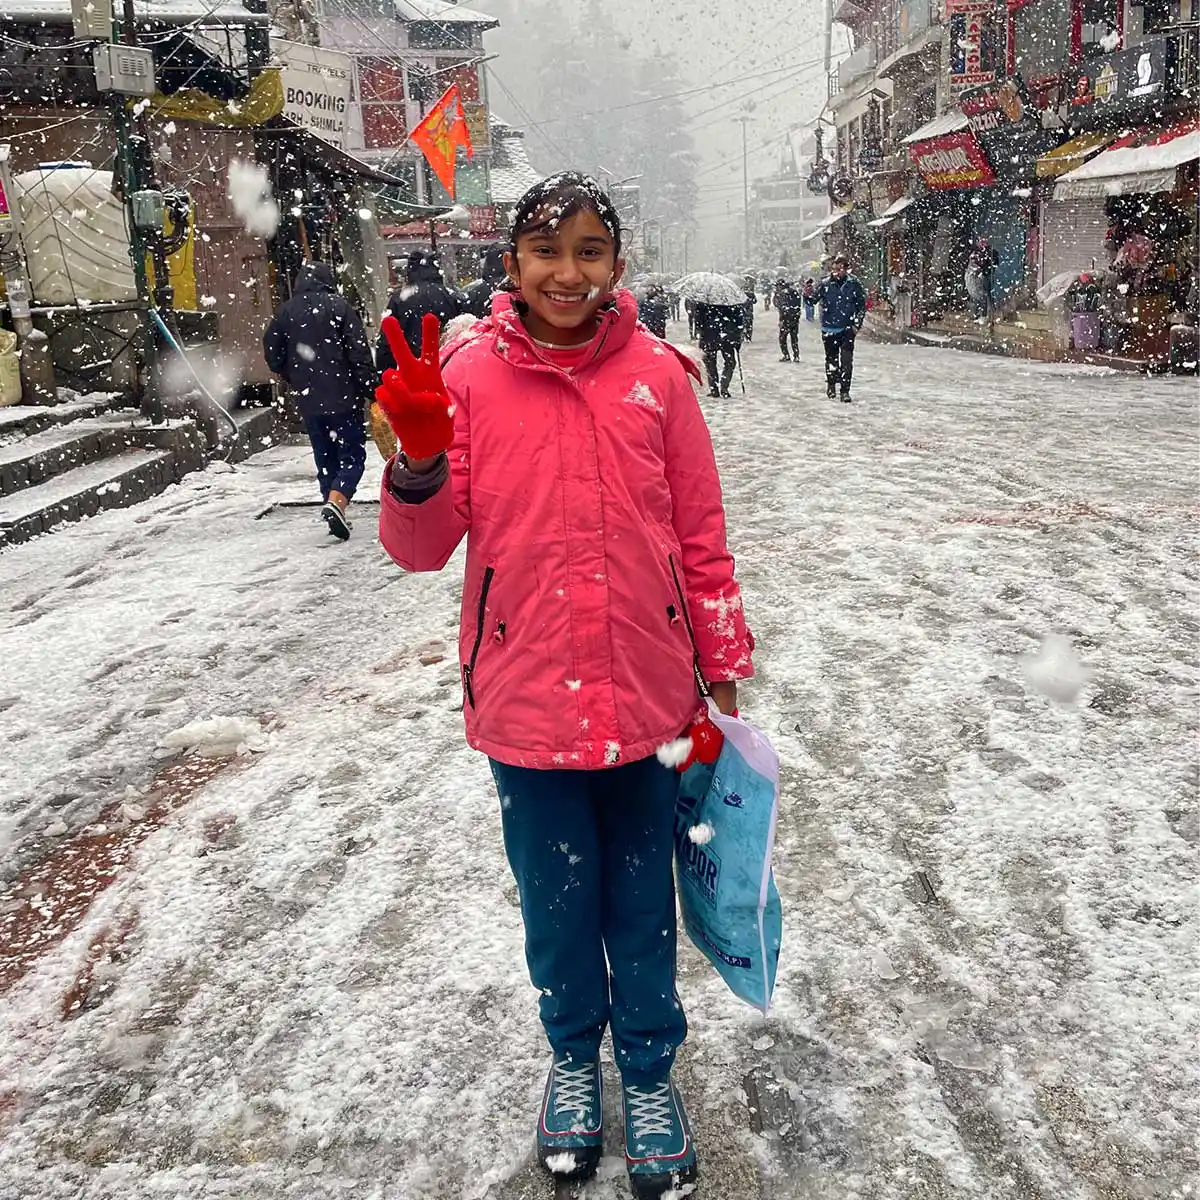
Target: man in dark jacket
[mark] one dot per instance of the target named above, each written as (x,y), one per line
(789,300)
(425,292)
(719,329)
(491,275)
(316,341)
(653,310)
(843,303)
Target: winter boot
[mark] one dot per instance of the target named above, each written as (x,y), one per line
(715,393)
(786,358)
(845,395)
(335,517)
(831,391)
(659,1153)
(570,1136)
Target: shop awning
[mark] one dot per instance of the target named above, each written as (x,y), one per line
(1071,154)
(950,122)
(828,223)
(330,158)
(1147,161)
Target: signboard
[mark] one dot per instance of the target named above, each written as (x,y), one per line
(952,161)
(1140,73)
(482,220)
(998,106)
(316,88)
(972,43)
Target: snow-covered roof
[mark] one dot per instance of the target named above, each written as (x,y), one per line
(443,13)
(166,11)
(1149,165)
(512,173)
(949,122)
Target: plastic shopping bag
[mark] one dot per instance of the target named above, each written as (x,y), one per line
(727,893)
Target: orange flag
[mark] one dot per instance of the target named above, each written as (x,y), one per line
(440,134)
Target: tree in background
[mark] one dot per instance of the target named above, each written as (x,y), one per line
(583,88)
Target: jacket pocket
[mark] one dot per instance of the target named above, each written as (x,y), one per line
(701,683)
(468,668)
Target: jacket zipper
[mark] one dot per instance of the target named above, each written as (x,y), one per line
(701,683)
(469,667)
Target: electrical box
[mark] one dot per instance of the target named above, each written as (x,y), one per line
(92,20)
(149,210)
(125,69)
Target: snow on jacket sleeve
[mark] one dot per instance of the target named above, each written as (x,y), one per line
(713,598)
(423,536)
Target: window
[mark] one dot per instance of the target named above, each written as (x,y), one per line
(1039,34)
(1101,29)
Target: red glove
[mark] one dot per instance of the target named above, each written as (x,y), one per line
(413,396)
(707,741)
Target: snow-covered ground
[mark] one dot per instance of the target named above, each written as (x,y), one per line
(304,977)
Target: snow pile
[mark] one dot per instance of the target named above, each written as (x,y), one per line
(250,193)
(674,754)
(561,1164)
(216,737)
(1055,670)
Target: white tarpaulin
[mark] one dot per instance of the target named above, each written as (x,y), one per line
(316,88)
(1126,170)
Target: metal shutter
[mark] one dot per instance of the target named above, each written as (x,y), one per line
(1072,236)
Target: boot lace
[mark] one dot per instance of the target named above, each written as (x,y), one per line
(574,1089)
(651,1112)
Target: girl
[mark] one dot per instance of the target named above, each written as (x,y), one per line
(568,442)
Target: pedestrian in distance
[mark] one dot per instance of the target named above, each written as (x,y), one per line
(719,329)
(653,311)
(689,307)
(748,318)
(565,442)
(478,294)
(424,291)
(317,343)
(843,302)
(789,300)
(810,299)
(675,303)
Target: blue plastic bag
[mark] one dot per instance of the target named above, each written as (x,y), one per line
(727,892)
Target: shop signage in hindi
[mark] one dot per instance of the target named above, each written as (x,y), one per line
(1127,75)
(972,43)
(316,88)
(953,161)
(998,106)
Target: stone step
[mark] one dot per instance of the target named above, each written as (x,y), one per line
(37,457)
(22,420)
(117,481)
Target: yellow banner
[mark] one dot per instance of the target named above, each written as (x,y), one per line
(264,102)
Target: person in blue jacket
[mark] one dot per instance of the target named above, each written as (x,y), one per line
(843,302)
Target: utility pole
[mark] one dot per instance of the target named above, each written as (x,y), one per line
(745,186)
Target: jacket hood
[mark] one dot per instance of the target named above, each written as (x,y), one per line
(423,267)
(316,277)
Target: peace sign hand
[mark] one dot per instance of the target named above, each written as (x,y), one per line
(413,396)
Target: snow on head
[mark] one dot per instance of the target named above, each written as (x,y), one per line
(674,754)
(250,193)
(1055,671)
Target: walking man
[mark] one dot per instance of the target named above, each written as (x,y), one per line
(789,300)
(843,302)
(653,311)
(317,343)
(424,292)
(719,330)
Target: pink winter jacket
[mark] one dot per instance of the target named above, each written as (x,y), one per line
(596,534)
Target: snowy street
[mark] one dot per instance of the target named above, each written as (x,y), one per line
(294,967)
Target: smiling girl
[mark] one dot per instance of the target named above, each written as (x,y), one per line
(566,441)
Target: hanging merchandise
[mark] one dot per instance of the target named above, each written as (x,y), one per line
(440,134)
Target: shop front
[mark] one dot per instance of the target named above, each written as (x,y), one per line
(952,166)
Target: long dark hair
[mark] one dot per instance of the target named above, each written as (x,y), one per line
(559,197)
